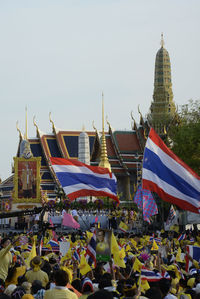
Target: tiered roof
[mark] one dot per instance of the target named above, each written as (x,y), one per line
(123,147)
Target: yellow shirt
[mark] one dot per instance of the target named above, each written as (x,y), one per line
(5,261)
(60,293)
(37,275)
(20,271)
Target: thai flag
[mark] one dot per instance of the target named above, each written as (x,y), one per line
(179,270)
(54,245)
(23,240)
(76,255)
(79,179)
(150,275)
(194,252)
(158,240)
(46,248)
(91,251)
(171,216)
(145,201)
(168,176)
(166,275)
(181,237)
(29,248)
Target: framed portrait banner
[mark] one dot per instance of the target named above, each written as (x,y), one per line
(27,179)
(103,245)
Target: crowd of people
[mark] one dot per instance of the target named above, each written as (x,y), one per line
(154,265)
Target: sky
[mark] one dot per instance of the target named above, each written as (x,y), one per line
(59,55)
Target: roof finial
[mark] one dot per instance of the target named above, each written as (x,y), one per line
(134,122)
(94,126)
(162,41)
(53,126)
(34,122)
(104,157)
(102,111)
(20,133)
(141,117)
(26,126)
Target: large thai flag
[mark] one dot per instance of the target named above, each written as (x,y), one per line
(168,176)
(79,179)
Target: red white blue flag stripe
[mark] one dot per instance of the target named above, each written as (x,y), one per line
(90,254)
(181,237)
(150,275)
(79,179)
(168,176)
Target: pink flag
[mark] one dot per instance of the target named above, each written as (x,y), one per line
(68,220)
(53,231)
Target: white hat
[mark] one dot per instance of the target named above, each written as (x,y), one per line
(8,291)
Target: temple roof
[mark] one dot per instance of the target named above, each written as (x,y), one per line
(124,151)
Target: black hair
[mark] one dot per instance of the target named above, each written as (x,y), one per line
(164,285)
(36,286)
(102,294)
(61,278)
(76,283)
(4,240)
(153,293)
(21,279)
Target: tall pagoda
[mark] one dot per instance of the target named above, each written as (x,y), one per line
(162,110)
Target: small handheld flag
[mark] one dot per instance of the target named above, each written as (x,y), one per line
(145,201)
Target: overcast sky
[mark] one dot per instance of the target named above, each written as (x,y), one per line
(59,56)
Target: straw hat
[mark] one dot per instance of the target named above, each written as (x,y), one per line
(37,261)
(27,287)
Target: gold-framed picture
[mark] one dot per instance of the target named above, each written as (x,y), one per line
(27,179)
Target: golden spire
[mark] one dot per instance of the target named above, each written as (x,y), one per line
(162,41)
(104,157)
(26,126)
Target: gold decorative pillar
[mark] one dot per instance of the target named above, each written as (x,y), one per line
(104,157)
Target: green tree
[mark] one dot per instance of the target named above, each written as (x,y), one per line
(185,135)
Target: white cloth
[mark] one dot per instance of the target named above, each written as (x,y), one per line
(170,296)
(74,213)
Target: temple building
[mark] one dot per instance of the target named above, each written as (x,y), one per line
(124,154)
(163,109)
(119,150)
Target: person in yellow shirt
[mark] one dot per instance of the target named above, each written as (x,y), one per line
(60,291)
(14,272)
(5,257)
(36,273)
